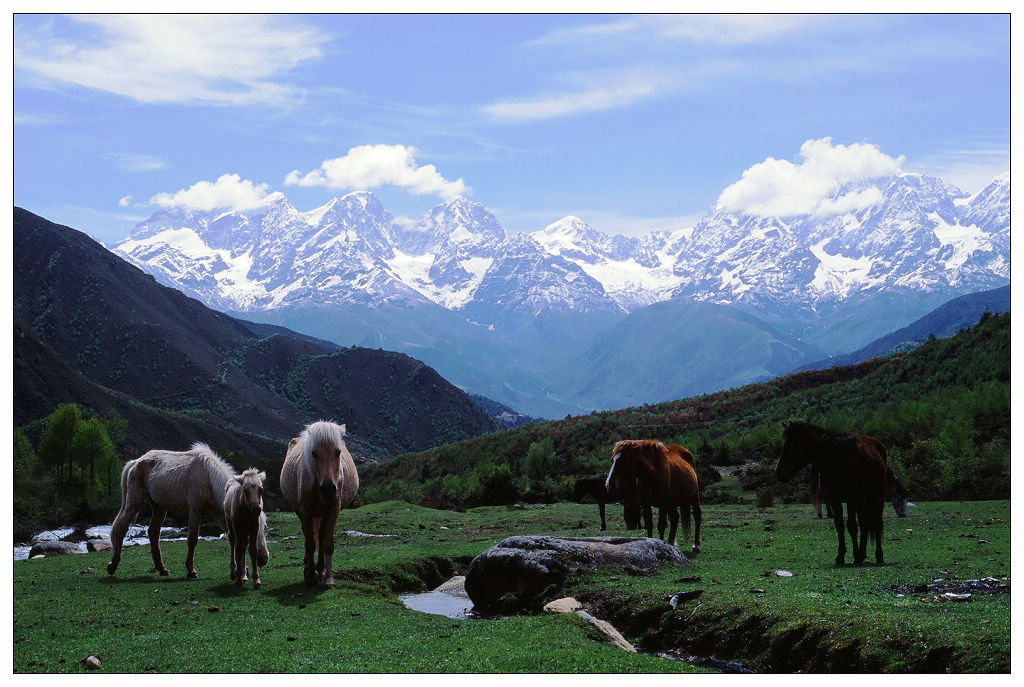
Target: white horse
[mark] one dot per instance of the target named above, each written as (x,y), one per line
(243,511)
(318,479)
(186,484)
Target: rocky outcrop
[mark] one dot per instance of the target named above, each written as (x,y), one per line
(522,572)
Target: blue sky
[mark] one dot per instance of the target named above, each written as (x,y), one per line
(632,123)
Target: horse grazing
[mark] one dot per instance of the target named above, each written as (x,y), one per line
(318,479)
(852,471)
(593,487)
(899,495)
(243,512)
(648,473)
(186,484)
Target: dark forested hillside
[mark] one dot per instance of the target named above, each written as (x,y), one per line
(149,345)
(943,409)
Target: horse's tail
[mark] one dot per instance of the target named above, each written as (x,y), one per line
(684,521)
(125,472)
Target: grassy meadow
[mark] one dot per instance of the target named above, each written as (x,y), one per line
(823,618)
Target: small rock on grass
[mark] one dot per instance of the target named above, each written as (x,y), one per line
(92,662)
(564,605)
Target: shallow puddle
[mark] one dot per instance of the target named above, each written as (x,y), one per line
(438,603)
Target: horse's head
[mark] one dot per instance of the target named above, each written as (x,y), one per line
(899,495)
(631,514)
(621,480)
(798,442)
(251,489)
(325,444)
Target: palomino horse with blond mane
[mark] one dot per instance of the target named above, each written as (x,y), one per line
(319,479)
(649,473)
(188,484)
(243,511)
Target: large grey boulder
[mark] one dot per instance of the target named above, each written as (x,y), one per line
(522,572)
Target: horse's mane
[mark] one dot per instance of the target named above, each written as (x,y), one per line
(216,466)
(636,444)
(322,432)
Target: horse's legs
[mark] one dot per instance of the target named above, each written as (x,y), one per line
(254,555)
(154,539)
(697,513)
(662,522)
(673,518)
(648,520)
(327,526)
(261,542)
(600,506)
(133,501)
(856,522)
(232,567)
(193,539)
(837,518)
(238,557)
(877,516)
(309,532)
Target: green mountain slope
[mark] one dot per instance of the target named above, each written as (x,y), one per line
(943,409)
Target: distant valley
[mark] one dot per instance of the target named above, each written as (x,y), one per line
(549,322)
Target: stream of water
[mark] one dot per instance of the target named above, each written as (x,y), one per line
(136,535)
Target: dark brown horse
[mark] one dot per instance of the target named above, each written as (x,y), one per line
(648,473)
(593,487)
(898,494)
(852,471)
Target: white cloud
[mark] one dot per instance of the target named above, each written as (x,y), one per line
(132,162)
(229,192)
(783,189)
(125,201)
(563,104)
(602,89)
(212,59)
(729,29)
(370,166)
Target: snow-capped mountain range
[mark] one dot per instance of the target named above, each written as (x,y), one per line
(919,242)
(923,235)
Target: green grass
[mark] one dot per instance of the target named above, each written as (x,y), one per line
(821,618)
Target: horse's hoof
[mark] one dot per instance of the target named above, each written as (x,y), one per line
(257,585)
(239,582)
(111,568)
(192,575)
(694,549)
(165,572)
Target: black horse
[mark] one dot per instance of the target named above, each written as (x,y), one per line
(593,487)
(855,473)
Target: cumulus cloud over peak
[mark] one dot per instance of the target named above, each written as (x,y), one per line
(229,192)
(370,166)
(783,189)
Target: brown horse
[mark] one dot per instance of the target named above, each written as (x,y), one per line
(318,479)
(184,483)
(852,471)
(243,511)
(648,473)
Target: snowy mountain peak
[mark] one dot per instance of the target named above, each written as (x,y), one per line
(917,234)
